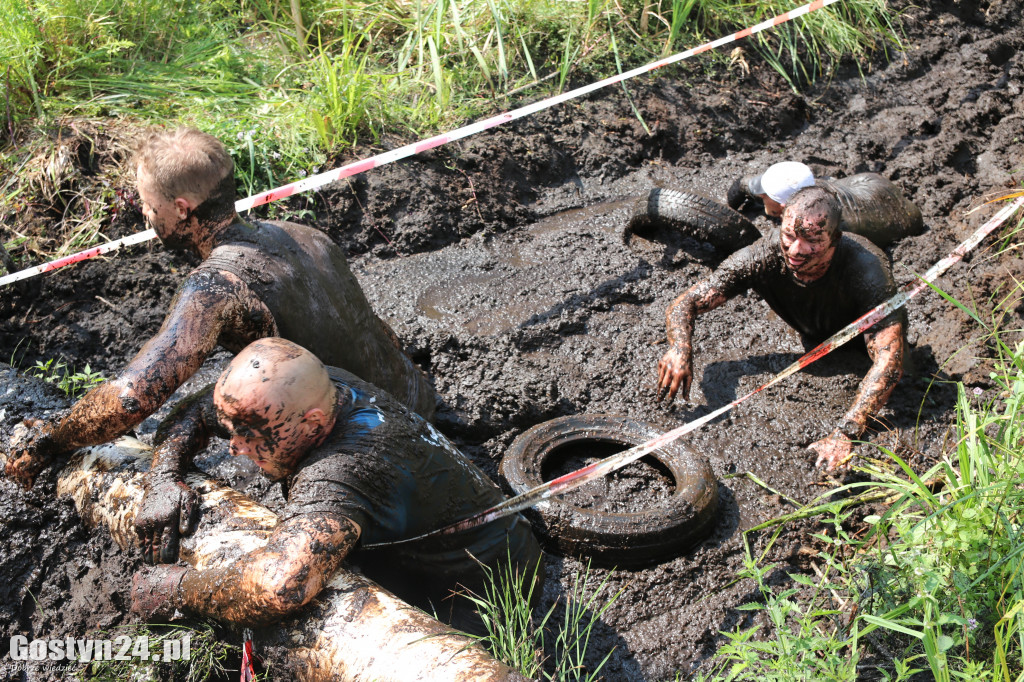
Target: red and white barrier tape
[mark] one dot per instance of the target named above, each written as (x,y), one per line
(574,479)
(315,181)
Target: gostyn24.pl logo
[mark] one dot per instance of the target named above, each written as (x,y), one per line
(121,648)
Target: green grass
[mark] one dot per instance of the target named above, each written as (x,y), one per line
(207,655)
(357,69)
(290,94)
(537,645)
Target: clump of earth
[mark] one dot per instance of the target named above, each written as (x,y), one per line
(499,261)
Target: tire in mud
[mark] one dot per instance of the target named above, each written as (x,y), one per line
(693,215)
(625,540)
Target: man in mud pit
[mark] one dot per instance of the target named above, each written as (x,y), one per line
(818,280)
(872,206)
(257,279)
(359,469)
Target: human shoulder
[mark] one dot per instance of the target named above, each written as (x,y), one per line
(752,262)
(861,254)
(864,269)
(211,279)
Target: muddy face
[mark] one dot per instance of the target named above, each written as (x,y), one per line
(272,439)
(167,216)
(806,244)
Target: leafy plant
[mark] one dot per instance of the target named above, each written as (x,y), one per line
(56,371)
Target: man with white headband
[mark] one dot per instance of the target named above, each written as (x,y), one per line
(872,206)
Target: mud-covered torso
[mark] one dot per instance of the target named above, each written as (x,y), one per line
(396,476)
(858,279)
(875,208)
(304,280)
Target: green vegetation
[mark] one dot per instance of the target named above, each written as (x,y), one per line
(517,638)
(56,371)
(288,91)
(936,583)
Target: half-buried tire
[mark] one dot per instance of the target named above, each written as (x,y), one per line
(627,540)
(693,215)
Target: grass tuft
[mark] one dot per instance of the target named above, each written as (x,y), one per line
(524,642)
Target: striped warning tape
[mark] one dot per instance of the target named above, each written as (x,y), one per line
(321,179)
(574,479)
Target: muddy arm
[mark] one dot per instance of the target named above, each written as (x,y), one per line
(205,307)
(675,370)
(886,347)
(274,581)
(169,508)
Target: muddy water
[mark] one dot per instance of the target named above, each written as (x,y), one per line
(582,333)
(641,485)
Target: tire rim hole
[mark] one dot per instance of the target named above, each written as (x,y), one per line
(644,484)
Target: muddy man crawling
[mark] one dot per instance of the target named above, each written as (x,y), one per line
(257,279)
(818,280)
(360,469)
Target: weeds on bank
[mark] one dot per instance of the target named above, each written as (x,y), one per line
(288,86)
(57,372)
(206,654)
(354,67)
(517,638)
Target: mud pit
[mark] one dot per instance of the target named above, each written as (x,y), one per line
(505,274)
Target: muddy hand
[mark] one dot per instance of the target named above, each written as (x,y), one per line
(168,510)
(31,450)
(833,451)
(674,372)
(153,589)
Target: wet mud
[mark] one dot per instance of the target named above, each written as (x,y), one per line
(499,262)
(633,488)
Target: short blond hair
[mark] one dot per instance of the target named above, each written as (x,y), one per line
(186,162)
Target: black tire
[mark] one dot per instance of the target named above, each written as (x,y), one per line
(693,215)
(626,540)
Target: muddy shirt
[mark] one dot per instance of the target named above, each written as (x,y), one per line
(875,208)
(397,477)
(304,280)
(858,279)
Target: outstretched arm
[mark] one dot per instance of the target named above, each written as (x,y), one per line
(264,585)
(886,347)
(207,306)
(675,370)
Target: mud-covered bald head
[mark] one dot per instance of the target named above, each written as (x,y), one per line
(278,402)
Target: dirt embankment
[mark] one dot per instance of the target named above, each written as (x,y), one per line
(499,262)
